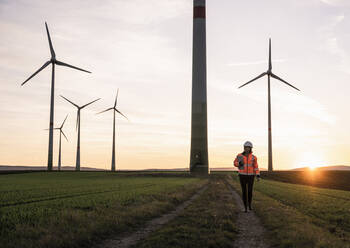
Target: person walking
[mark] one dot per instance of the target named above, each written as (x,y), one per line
(247,164)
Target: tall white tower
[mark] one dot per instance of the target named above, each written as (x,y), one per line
(199,134)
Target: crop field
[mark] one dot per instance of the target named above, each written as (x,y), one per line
(84,209)
(208,222)
(318,178)
(301,216)
(77,209)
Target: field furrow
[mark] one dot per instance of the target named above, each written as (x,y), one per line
(85,208)
(65,196)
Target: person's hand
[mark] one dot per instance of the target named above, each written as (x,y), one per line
(258,177)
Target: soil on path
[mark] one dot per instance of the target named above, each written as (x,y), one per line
(250,231)
(151,226)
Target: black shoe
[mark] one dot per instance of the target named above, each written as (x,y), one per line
(245,210)
(250,208)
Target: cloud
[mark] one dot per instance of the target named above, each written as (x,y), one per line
(294,103)
(336,3)
(332,39)
(334,21)
(332,45)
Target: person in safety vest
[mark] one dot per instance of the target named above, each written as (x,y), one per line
(247,164)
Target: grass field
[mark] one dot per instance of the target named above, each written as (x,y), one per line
(319,178)
(81,209)
(208,222)
(302,216)
(77,209)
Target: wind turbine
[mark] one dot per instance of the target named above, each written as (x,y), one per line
(61,132)
(77,163)
(54,62)
(269,74)
(114,108)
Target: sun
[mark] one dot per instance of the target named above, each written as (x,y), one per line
(311,160)
(312,167)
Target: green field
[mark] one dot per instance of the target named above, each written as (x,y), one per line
(208,222)
(76,209)
(302,216)
(83,209)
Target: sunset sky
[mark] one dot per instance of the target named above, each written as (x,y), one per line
(144,48)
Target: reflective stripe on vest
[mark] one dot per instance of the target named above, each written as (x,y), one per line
(248,167)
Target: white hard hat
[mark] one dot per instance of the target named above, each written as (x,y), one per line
(248,143)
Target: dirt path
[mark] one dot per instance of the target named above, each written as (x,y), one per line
(151,226)
(251,231)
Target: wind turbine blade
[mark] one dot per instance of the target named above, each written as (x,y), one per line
(69,101)
(105,111)
(278,78)
(71,66)
(261,75)
(64,135)
(270,59)
(121,114)
(116,98)
(40,69)
(53,55)
(64,121)
(78,120)
(90,103)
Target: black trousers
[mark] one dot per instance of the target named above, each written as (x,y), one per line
(247,182)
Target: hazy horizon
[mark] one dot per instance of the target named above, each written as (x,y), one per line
(232,168)
(145,50)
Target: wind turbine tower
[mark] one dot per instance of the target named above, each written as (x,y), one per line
(114,108)
(199,134)
(269,75)
(60,143)
(79,108)
(53,61)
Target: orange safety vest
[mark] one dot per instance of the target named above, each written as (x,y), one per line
(250,164)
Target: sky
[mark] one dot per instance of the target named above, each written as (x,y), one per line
(144,48)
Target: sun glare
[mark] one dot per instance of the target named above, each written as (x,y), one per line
(312,167)
(311,161)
